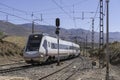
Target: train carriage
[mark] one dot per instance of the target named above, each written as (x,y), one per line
(42,47)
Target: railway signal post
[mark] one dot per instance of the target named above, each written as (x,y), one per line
(57,33)
(107,40)
(32,23)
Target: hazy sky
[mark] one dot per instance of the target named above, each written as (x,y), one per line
(69,11)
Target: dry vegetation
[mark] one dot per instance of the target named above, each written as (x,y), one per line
(11,48)
(13,44)
(18,40)
(114,51)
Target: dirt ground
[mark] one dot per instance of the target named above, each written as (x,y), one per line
(13,78)
(92,74)
(11,59)
(100,74)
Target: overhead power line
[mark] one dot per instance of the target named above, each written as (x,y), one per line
(96,11)
(15,16)
(71,5)
(62,8)
(25,12)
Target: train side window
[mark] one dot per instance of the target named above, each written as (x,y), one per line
(48,44)
(61,46)
(45,44)
(52,45)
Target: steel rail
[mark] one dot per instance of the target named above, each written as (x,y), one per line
(46,76)
(15,68)
(56,71)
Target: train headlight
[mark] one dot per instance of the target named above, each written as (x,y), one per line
(41,56)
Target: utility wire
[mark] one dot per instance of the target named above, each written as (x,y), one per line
(25,12)
(62,8)
(15,16)
(13,8)
(94,17)
(77,3)
(53,13)
(74,20)
(96,14)
(96,11)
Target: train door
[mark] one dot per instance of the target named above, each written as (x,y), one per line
(45,47)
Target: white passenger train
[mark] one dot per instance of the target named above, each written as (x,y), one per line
(41,48)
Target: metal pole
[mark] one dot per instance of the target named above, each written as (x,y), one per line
(83,47)
(101,35)
(107,40)
(32,23)
(92,33)
(32,26)
(6,18)
(58,51)
(57,32)
(83,43)
(86,45)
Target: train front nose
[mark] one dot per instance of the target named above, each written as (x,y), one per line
(34,57)
(31,56)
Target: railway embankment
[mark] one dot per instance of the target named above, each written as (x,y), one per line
(9,52)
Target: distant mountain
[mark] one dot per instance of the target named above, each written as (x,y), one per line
(114,36)
(71,34)
(67,34)
(39,28)
(12,29)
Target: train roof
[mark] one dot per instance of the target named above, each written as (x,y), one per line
(47,35)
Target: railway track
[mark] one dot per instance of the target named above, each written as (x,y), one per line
(67,71)
(10,64)
(19,66)
(64,73)
(55,72)
(10,69)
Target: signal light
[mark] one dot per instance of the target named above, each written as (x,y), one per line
(57,26)
(57,32)
(57,22)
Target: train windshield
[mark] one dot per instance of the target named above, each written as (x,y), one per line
(33,42)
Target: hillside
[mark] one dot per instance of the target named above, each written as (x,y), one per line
(11,29)
(20,41)
(9,52)
(67,34)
